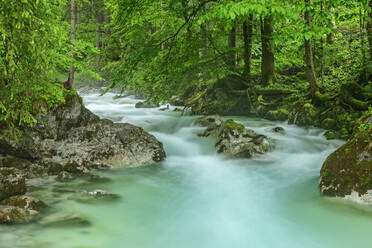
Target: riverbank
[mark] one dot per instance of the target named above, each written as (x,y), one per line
(198,198)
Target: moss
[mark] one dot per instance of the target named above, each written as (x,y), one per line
(232,126)
(349,168)
(329,123)
(277,115)
(330,135)
(344,133)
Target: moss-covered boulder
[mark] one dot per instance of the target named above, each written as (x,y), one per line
(25,202)
(304,114)
(349,168)
(71,138)
(206,121)
(146,105)
(280,114)
(14,215)
(12,185)
(236,141)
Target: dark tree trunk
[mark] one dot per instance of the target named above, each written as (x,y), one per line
(231,58)
(310,71)
(369,30)
(247,35)
(267,65)
(70,81)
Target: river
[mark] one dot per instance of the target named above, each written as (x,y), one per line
(197,199)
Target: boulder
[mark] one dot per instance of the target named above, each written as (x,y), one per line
(304,115)
(330,135)
(95,196)
(71,138)
(12,185)
(24,202)
(14,215)
(65,176)
(177,101)
(278,130)
(206,121)
(348,170)
(146,105)
(234,140)
(64,220)
(277,115)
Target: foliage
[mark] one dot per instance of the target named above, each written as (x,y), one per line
(32,44)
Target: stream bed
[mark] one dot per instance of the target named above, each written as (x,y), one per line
(198,199)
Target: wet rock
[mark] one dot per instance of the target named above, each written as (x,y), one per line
(146,105)
(24,202)
(12,185)
(97,179)
(330,135)
(234,140)
(277,115)
(65,176)
(279,130)
(304,115)
(14,215)
(94,196)
(64,220)
(177,101)
(329,123)
(14,162)
(209,120)
(71,138)
(349,168)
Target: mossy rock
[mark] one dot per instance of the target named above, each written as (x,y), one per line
(329,123)
(231,126)
(304,115)
(330,135)
(277,115)
(349,168)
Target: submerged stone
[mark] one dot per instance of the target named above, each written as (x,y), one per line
(94,196)
(146,105)
(25,202)
(64,220)
(279,130)
(15,215)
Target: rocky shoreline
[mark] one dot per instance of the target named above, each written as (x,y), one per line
(67,142)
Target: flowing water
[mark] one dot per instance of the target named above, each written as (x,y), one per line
(199,199)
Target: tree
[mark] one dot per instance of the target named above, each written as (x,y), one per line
(310,71)
(73,13)
(247,37)
(267,65)
(32,47)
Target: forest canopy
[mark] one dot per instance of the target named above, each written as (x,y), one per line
(319,50)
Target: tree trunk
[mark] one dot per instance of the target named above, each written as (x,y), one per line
(267,65)
(231,58)
(70,81)
(310,71)
(369,30)
(99,17)
(247,35)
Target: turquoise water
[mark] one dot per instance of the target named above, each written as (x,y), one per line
(199,199)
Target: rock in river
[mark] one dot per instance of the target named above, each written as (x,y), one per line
(15,215)
(233,139)
(12,185)
(348,171)
(71,138)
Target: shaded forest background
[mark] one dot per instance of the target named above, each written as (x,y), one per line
(306,61)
